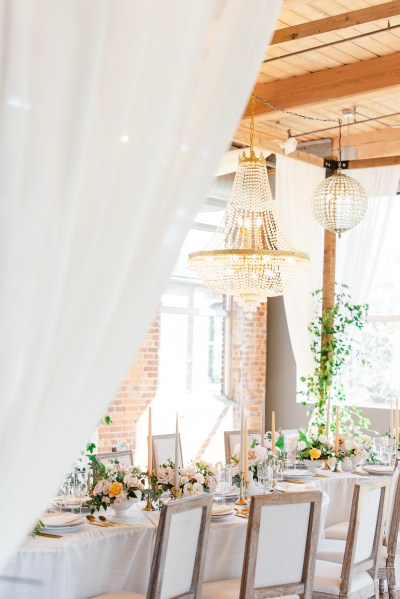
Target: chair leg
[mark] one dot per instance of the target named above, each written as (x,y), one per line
(391,579)
(381,585)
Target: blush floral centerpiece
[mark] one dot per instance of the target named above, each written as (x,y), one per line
(313,449)
(353,450)
(193,479)
(258,453)
(114,485)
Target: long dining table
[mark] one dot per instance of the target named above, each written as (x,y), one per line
(93,560)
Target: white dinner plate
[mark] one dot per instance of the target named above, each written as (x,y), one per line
(378,469)
(297,474)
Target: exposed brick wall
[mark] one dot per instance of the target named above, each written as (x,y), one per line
(135,395)
(247,359)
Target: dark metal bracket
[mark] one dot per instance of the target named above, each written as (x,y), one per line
(333,165)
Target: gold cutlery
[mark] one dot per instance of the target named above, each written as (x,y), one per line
(49,535)
(293,482)
(239,515)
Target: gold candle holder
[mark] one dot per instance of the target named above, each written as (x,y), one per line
(241,500)
(149,506)
(176,493)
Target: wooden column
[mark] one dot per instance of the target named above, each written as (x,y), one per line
(328,285)
(328,302)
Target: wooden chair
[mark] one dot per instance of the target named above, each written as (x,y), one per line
(232,438)
(281,543)
(179,553)
(164,449)
(349,568)
(389,549)
(124,457)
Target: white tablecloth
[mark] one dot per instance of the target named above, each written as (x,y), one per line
(93,560)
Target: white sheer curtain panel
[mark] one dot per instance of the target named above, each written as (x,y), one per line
(295,184)
(114,116)
(358,250)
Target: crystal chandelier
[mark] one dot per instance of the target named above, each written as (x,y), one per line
(339,202)
(249,256)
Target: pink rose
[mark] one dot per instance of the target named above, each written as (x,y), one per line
(102,488)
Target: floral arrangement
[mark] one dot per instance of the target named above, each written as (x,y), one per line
(314,447)
(196,478)
(114,483)
(257,453)
(356,448)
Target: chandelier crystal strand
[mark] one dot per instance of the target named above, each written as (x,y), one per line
(249,255)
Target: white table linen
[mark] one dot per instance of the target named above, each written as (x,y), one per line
(93,560)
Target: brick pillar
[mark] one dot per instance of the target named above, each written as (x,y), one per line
(249,363)
(135,395)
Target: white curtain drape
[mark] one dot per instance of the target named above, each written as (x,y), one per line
(114,116)
(359,249)
(295,184)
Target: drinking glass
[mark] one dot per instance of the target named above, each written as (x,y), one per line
(264,476)
(278,468)
(223,481)
(78,489)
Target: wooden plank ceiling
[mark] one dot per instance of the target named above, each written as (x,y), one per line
(306,71)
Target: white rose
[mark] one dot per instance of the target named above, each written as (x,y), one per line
(184,480)
(106,499)
(200,478)
(188,489)
(301,445)
(101,488)
(323,438)
(197,489)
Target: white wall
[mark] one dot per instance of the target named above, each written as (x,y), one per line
(281,378)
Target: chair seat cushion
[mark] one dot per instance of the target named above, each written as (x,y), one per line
(337,531)
(228,589)
(332,550)
(327,579)
(120,595)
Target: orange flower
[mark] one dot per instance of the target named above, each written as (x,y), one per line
(314,453)
(115,489)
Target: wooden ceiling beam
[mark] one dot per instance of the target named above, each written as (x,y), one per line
(329,84)
(341,21)
(374,162)
(372,144)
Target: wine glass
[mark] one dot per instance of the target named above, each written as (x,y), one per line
(264,476)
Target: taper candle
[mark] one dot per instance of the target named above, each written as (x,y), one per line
(246,453)
(150,447)
(242,438)
(273,440)
(337,431)
(328,410)
(176,453)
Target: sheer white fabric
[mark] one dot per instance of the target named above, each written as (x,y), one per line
(181,553)
(295,184)
(114,117)
(278,523)
(358,250)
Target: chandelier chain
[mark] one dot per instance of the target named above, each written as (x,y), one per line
(252,101)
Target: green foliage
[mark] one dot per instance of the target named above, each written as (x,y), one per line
(334,340)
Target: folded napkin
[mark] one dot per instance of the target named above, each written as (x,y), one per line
(61,519)
(221,510)
(295,488)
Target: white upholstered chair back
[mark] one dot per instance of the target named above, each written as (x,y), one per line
(365,530)
(281,543)
(164,449)
(232,439)
(179,553)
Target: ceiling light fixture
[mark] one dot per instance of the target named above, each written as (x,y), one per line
(249,256)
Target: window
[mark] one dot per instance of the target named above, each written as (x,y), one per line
(377,384)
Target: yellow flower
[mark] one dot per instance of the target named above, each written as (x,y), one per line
(115,489)
(315,453)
